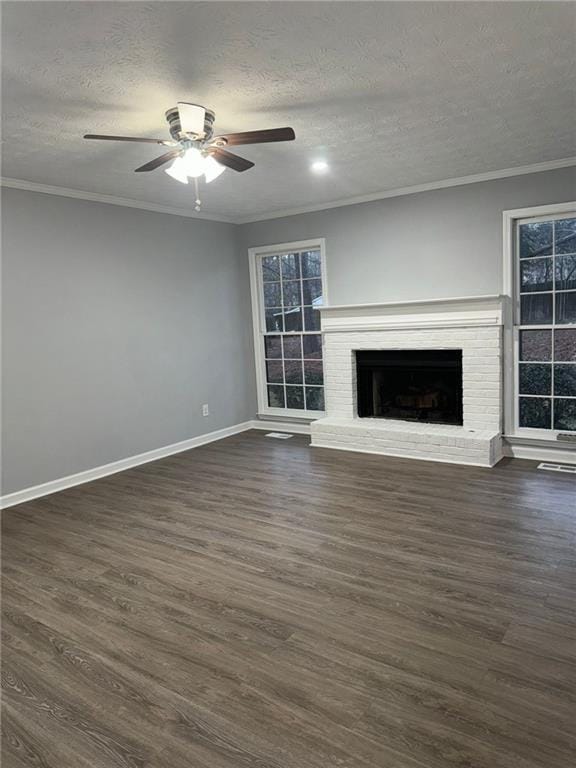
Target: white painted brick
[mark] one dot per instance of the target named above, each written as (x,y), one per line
(471,396)
(481,354)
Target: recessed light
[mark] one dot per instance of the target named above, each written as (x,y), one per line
(319,166)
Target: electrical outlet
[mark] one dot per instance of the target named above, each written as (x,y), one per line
(205,410)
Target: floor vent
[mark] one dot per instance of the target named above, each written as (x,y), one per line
(278,435)
(558,467)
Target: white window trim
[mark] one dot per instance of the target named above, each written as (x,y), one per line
(258,322)
(511,428)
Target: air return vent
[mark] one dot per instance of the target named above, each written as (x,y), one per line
(558,467)
(566,437)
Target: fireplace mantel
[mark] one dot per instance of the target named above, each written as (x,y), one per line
(462,311)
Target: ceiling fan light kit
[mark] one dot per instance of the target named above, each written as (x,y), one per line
(195,150)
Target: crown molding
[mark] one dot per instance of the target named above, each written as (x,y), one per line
(95,197)
(504,173)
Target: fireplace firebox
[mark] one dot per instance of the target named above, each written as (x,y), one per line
(410,385)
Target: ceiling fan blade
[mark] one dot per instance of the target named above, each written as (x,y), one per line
(258,137)
(128,138)
(157,162)
(234,162)
(191,118)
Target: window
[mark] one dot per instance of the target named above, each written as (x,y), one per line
(545,324)
(288,286)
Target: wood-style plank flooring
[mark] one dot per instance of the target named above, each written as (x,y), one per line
(257,603)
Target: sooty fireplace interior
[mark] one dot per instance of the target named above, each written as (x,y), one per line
(413,385)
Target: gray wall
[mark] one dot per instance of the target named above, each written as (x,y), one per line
(437,244)
(118,325)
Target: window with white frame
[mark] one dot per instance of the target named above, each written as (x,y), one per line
(288,287)
(545,324)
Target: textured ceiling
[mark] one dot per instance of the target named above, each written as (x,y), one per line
(391,94)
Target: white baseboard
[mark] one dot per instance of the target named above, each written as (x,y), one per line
(540,452)
(28,494)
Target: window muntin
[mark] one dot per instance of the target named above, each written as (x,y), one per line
(291,286)
(546,323)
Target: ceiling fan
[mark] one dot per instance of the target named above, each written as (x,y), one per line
(194,149)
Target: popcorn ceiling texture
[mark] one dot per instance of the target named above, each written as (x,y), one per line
(391,94)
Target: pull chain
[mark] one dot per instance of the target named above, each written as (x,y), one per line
(198,201)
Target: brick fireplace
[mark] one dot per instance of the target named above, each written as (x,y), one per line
(469,327)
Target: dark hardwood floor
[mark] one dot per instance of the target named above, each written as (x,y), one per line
(256,603)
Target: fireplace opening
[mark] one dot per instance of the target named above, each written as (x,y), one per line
(410,385)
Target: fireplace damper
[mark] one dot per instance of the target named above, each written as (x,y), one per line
(410,385)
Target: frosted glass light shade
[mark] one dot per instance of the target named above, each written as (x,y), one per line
(212,169)
(193,163)
(177,171)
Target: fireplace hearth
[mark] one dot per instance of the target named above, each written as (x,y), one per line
(422,385)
